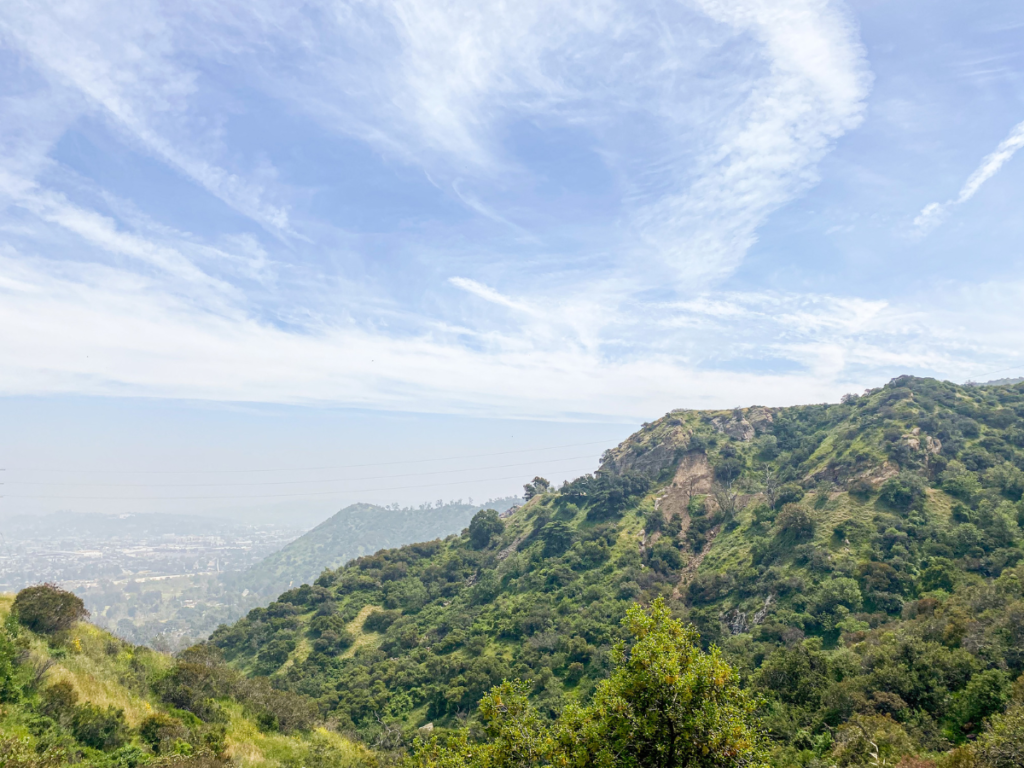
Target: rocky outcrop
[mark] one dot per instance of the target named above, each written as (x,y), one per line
(648,453)
(692,477)
(735,427)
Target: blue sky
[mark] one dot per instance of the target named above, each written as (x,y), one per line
(544,212)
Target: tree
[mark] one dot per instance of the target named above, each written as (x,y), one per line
(667,705)
(48,609)
(1002,744)
(904,492)
(484,526)
(984,695)
(557,537)
(536,488)
(793,525)
(726,500)
(771,485)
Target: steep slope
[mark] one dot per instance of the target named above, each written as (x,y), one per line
(81,696)
(356,530)
(858,562)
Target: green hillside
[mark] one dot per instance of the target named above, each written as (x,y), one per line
(77,695)
(356,530)
(859,563)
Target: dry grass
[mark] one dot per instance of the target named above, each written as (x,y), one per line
(93,673)
(248,747)
(362,639)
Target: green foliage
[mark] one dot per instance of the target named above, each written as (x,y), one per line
(790,493)
(161,731)
(379,621)
(667,703)
(605,495)
(9,690)
(861,615)
(794,525)
(484,526)
(1002,744)
(99,728)
(48,609)
(557,537)
(537,487)
(58,702)
(985,695)
(903,493)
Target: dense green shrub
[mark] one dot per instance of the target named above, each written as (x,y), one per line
(484,526)
(904,492)
(58,702)
(9,690)
(379,621)
(793,525)
(48,609)
(557,537)
(99,728)
(161,731)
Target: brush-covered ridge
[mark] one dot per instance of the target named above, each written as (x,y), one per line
(859,563)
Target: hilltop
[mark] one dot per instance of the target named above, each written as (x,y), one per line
(859,563)
(356,530)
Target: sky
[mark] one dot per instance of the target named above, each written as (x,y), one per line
(363,233)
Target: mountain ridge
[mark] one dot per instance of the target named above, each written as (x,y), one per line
(859,563)
(356,530)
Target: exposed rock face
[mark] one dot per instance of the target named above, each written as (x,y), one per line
(736,621)
(647,457)
(760,418)
(762,613)
(692,477)
(915,442)
(736,427)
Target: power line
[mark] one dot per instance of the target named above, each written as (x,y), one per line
(292,482)
(275,495)
(1002,370)
(300,469)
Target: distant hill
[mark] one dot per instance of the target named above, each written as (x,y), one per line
(861,564)
(996,382)
(357,530)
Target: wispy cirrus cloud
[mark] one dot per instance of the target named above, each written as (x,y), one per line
(132,69)
(809,89)
(597,171)
(933,213)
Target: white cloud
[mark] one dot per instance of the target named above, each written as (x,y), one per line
(126,65)
(96,330)
(811,90)
(489,294)
(702,154)
(712,114)
(933,213)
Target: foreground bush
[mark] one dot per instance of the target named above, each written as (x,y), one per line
(48,609)
(667,705)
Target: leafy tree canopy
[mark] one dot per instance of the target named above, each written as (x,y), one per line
(667,704)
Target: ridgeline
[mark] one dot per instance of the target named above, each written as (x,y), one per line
(857,563)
